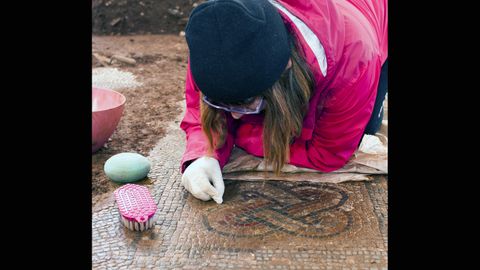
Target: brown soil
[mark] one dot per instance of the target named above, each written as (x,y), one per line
(161,67)
(140,17)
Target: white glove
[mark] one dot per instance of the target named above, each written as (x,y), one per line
(197,177)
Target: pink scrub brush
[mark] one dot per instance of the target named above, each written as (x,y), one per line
(136,207)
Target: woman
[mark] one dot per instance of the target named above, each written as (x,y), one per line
(290,81)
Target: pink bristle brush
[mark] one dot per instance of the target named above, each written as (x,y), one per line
(136,207)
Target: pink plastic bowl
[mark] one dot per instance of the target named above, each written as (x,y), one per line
(107,109)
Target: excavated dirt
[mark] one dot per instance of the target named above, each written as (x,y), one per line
(161,67)
(140,17)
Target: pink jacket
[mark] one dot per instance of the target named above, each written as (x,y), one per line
(345,43)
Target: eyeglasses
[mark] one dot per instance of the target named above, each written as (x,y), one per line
(251,105)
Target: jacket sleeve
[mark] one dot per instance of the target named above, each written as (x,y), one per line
(340,126)
(197,143)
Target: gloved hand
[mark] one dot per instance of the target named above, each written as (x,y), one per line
(197,177)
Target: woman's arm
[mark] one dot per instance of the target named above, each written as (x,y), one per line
(340,127)
(197,143)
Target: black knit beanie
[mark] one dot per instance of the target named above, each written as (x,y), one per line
(238,48)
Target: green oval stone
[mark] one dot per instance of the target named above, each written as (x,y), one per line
(127,167)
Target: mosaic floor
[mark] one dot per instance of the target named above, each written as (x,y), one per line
(260,225)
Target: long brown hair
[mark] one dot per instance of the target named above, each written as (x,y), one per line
(286,105)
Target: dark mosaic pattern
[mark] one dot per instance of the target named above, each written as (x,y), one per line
(303,209)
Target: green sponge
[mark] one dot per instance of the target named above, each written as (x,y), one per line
(127,167)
